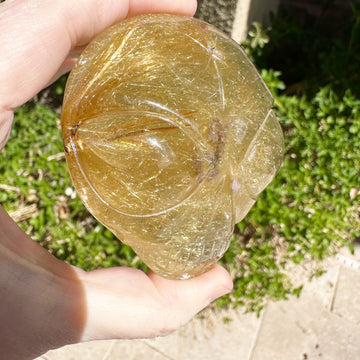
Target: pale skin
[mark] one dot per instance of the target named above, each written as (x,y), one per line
(44,302)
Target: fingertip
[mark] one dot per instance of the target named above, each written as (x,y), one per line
(176,7)
(6,120)
(192,7)
(225,277)
(219,280)
(185,298)
(210,285)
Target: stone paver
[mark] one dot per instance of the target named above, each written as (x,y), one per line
(212,338)
(347,259)
(346,302)
(322,323)
(106,350)
(305,330)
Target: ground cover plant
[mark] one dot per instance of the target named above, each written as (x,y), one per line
(309,210)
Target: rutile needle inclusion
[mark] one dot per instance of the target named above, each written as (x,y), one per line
(169,138)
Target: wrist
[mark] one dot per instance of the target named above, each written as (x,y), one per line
(42,300)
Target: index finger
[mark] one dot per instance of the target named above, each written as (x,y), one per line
(36,37)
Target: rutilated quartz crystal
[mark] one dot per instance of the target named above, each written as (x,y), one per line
(169,137)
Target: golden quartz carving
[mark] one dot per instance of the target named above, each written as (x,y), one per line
(169,137)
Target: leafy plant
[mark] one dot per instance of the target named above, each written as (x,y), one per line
(310,52)
(257,37)
(311,208)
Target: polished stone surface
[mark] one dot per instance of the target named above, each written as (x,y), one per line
(169,137)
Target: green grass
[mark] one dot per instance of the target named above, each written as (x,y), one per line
(309,210)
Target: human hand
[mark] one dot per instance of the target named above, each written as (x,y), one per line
(45,303)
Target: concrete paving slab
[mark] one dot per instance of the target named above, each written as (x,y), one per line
(135,350)
(348,259)
(347,297)
(301,330)
(106,350)
(212,338)
(78,351)
(322,289)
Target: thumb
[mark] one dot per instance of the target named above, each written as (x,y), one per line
(185,298)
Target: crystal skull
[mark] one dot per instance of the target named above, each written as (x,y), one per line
(169,138)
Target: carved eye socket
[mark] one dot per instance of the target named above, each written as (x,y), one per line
(129,157)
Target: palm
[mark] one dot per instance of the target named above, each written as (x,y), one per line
(147,304)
